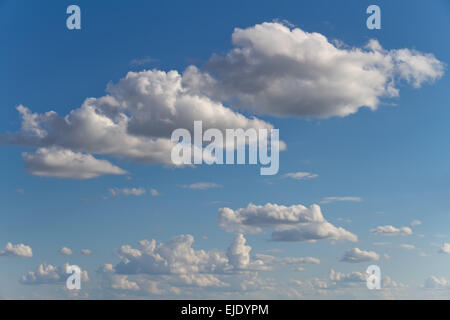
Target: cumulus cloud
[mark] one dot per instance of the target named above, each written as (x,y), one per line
(49,274)
(63,163)
(175,256)
(357,255)
(179,264)
(445,248)
(17,250)
(110,280)
(134,120)
(391,231)
(127,191)
(272,69)
(279,70)
(202,186)
(293,223)
(65,251)
(301,175)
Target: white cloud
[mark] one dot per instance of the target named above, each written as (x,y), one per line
(340,199)
(175,256)
(135,121)
(202,186)
(301,175)
(86,252)
(348,278)
(434,282)
(445,248)
(238,253)
(276,70)
(357,255)
(63,163)
(391,231)
(17,250)
(415,223)
(110,280)
(406,246)
(49,274)
(127,191)
(294,223)
(154,192)
(271,261)
(65,251)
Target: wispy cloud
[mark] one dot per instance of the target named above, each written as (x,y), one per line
(300,175)
(340,199)
(127,191)
(202,186)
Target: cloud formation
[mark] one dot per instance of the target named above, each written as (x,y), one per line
(64,163)
(65,251)
(391,231)
(272,69)
(445,248)
(127,191)
(357,255)
(279,70)
(17,250)
(49,274)
(293,223)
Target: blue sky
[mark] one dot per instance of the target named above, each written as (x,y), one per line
(388,167)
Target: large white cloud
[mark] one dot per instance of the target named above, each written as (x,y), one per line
(17,250)
(135,121)
(277,70)
(272,69)
(293,223)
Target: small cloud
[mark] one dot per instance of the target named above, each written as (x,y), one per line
(17,250)
(445,248)
(86,252)
(357,255)
(301,175)
(340,199)
(406,246)
(415,223)
(142,61)
(65,251)
(127,191)
(391,231)
(154,192)
(201,186)
(20,191)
